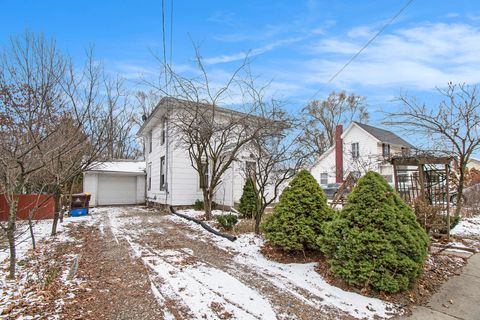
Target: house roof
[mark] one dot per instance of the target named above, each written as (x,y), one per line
(384,136)
(124,166)
(177,103)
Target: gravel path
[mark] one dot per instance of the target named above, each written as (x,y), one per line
(137,263)
(193,277)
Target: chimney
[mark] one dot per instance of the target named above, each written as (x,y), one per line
(338,154)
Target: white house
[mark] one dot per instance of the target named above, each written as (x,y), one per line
(171,178)
(116,182)
(358,149)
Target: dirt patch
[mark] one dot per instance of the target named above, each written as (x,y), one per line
(115,286)
(279,255)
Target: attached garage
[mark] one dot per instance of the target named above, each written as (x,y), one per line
(116,183)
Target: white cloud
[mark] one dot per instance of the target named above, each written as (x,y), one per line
(423,56)
(257,51)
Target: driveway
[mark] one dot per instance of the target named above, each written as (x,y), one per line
(191,274)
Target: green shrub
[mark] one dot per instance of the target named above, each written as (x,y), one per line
(249,199)
(198,205)
(227,221)
(375,241)
(298,218)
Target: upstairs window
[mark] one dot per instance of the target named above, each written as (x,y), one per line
(150,142)
(149,176)
(162,173)
(385,150)
(355,150)
(323,178)
(164,130)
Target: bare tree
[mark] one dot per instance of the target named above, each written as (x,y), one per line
(322,117)
(452,127)
(121,120)
(30,75)
(52,123)
(212,136)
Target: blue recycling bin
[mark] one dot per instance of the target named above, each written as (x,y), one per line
(78,212)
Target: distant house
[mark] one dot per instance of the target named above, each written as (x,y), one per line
(171,178)
(474,164)
(358,149)
(118,182)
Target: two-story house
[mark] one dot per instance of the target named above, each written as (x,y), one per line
(170,177)
(358,149)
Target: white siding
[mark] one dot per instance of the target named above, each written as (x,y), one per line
(153,159)
(183,179)
(326,165)
(140,189)
(90,182)
(370,151)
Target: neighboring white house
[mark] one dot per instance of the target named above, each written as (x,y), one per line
(116,182)
(474,164)
(171,178)
(360,148)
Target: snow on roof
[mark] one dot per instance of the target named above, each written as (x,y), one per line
(120,166)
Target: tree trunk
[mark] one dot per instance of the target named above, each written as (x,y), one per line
(461,183)
(258,217)
(207,204)
(57,212)
(12,217)
(32,235)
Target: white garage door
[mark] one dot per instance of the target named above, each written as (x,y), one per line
(117,189)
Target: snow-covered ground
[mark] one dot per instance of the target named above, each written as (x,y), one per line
(289,276)
(203,287)
(468,227)
(41,230)
(19,292)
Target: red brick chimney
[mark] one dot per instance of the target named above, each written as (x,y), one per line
(338,154)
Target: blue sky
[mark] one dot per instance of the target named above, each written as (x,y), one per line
(298,44)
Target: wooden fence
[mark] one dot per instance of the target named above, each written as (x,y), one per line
(27,204)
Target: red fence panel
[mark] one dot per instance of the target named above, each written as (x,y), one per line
(27,203)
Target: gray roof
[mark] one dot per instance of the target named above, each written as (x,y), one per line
(384,136)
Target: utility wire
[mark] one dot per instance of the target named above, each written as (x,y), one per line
(171,31)
(164,43)
(389,22)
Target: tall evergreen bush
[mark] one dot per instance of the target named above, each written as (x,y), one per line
(376,241)
(298,218)
(248,201)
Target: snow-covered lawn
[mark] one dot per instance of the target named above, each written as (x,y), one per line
(243,287)
(21,292)
(468,228)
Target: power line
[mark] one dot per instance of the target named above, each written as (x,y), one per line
(164,43)
(389,22)
(171,31)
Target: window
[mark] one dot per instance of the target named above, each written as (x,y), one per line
(385,150)
(204,183)
(149,176)
(324,178)
(388,177)
(162,173)
(405,151)
(355,150)
(150,142)
(164,129)
(251,169)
